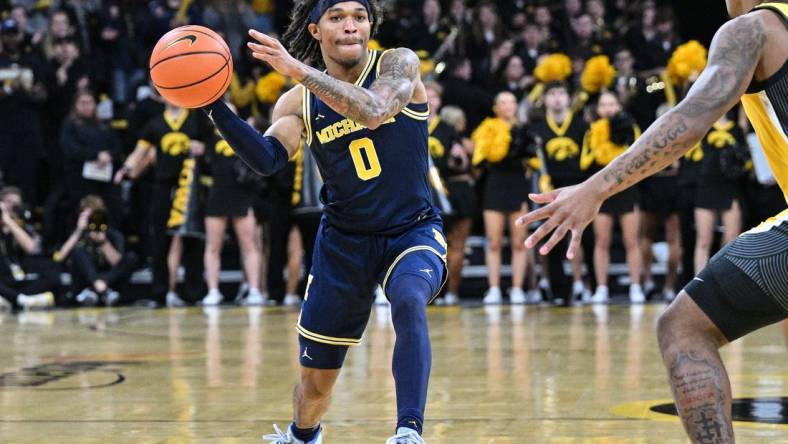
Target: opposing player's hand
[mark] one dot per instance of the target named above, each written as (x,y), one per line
(271,51)
(568,210)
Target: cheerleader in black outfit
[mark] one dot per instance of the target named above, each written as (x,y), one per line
(717,192)
(497,142)
(609,137)
(228,201)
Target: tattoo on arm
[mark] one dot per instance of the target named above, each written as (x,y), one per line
(399,71)
(699,388)
(733,58)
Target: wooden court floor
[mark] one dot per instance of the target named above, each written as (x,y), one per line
(500,375)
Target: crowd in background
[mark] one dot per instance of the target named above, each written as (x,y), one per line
(100,178)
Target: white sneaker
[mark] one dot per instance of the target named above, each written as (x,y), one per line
(5,305)
(40,300)
(601,295)
(280,437)
(669,294)
(86,297)
(534,297)
(405,435)
(451,299)
(214,297)
(636,295)
(517,296)
(380,297)
(586,297)
(173,300)
(493,296)
(291,300)
(111,297)
(254,298)
(578,287)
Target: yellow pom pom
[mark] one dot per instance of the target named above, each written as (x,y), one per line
(553,68)
(687,62)
(597,74)
(374,44)
(269,87)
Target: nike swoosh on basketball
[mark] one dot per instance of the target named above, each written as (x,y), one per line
(191,37)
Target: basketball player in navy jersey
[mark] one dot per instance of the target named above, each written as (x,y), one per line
(365,120)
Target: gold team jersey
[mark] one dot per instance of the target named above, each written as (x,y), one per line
(766,106)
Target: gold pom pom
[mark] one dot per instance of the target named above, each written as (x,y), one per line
(553,68)
(269,87)
(374,44)
(604,150)
(687,62)
(597,74)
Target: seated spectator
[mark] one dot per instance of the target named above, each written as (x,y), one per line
(18,245)
(95,253)
(89,149)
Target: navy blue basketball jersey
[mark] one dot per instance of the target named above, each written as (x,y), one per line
(375,181)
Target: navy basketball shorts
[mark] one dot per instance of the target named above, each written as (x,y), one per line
(745,286)
(346,270)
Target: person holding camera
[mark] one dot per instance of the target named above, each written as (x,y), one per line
(96,256)
(18,244)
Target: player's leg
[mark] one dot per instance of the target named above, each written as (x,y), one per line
(410,286)
(295,258)
(704,227)
(673,238)
(731,221)
(214,238)
(743,288)
(603,230)
(689,341)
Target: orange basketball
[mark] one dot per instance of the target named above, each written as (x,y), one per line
(191,66)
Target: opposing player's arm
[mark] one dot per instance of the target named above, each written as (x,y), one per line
(733,58)
(391,91)
(268,153)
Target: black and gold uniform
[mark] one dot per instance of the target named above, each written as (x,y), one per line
(171,138)
(745,285)
(716,191)
(454,170)
(228,197)
(500,145)
(562,142)
(603,142)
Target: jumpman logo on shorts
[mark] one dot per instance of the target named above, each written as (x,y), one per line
(428,271)
(305,355)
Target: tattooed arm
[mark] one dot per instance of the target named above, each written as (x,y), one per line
(393,89)
(735,54)
(733,57)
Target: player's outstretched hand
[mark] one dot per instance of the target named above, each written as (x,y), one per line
(568,210)
(271,51)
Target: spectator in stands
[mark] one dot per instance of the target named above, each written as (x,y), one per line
(229,201)
(60,28)
(19,243)
(584,43)
(530,45)
(70,73)
(122,54)
(454,164)
(429,32)
(719,187)
(98,261)
(610,136)
(89,149)
(666,38)
(21,94)
(512,77)
(486,30)
(458,91)
(499,143)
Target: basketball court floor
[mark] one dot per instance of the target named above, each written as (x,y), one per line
(500,375)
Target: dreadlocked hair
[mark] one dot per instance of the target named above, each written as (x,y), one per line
(300,42)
